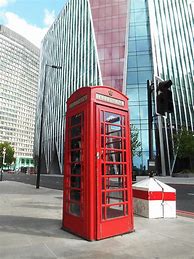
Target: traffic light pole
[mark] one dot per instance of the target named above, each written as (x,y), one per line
(150,119)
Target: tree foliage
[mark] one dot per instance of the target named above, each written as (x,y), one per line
(184,143)
(135,143)
(9,156)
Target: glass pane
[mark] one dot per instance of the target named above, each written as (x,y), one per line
(113,156)
(74,209)
(76,131)
(75,156)
(114,183)
(103,212)
(112,118)
(115,211)
(114,197)
(114,143)
(76,119)
(75,195)
(102,141)
(75,169)
(103,198)
(76,143)
(75,181)
(132,78)
(114,169)
(112,130)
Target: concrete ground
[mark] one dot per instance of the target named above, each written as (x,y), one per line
(30,227)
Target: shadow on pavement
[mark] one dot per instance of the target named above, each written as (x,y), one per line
(34,226)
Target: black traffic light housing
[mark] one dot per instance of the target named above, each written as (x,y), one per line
(164,97)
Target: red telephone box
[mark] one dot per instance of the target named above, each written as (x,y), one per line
(97,165)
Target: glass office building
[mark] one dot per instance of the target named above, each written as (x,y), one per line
(121,43)
(19,65)
(161,45)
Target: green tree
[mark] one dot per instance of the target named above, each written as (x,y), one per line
(184,144)
(135,143)
(9,156)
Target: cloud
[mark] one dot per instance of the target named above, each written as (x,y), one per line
(31,32)
(5,2)
(49,17)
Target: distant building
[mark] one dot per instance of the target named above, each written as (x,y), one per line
(19,65)
(123,44)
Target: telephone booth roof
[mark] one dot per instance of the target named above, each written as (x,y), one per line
(104,95)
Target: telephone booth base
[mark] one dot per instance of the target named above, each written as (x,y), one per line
(97,201)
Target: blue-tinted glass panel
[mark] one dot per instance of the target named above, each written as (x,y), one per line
(143,60)
(137,4)
(132,61)
(145,143)
(143,45)
(143,94)
(143,112)
(141,16)
(132,94)
(132,46)
(134,112)
(141,30)
(143,76)
(132,31)
(131,77)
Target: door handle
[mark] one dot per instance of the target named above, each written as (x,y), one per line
(98,155)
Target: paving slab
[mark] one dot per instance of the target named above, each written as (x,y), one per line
(30,227)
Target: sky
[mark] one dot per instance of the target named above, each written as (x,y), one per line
(30,18)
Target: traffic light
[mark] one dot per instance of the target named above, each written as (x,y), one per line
(164,97)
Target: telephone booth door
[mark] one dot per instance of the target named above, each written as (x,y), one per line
(113,178)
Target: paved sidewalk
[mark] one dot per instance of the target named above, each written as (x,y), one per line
(30,227)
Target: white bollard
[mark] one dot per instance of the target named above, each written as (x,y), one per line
(154,199)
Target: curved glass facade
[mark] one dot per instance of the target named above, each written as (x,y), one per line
(70,44)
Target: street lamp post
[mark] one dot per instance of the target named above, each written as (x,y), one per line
(4,153)
(41,124)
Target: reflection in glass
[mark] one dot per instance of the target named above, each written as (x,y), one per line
(114,169)
(114,183)
(114,143)
(76,131)
(103,213)
(115,211)
(76,119)
(75,156)
(112,118)
(112,130)
(76,181)
(76,143)
(75,169)
(74,209)
(113,156)
(114,197)
(75,195)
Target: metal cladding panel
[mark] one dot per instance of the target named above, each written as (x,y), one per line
(110,26)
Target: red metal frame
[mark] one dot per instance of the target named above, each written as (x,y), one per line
(97,166)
